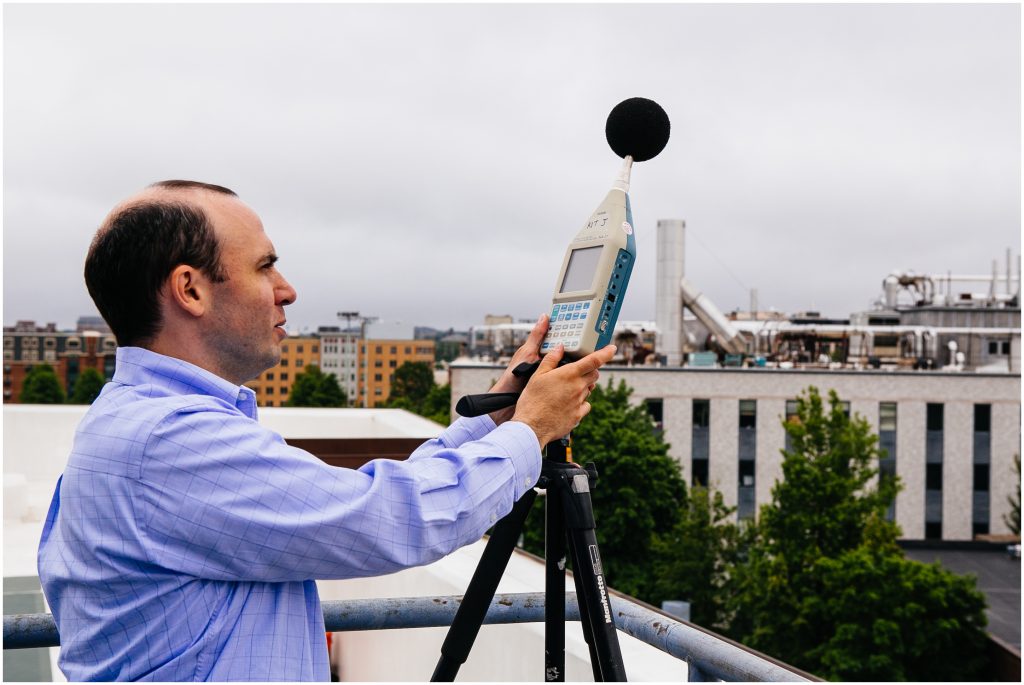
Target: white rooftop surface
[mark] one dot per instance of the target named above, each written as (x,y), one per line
(37,440)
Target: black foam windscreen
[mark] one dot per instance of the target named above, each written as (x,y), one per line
(637,127)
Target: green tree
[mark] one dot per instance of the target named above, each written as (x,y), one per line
(413,381)
(1012,519)
(822,584)
(87,387)
(314,388)
(691,561)
(640,491)
(414,389)
(41,386)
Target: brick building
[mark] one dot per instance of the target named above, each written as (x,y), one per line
(69,353)
(273,387)
(378,360)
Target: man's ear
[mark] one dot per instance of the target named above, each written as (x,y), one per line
(188,290)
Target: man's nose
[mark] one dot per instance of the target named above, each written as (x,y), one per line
(285,293)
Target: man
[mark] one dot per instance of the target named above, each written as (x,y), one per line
(183,539)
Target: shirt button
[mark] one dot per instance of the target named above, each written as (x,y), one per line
(493,518)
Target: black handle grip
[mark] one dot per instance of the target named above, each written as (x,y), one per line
(526,369)
(478,405)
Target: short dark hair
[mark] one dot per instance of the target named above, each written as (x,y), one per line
(137,248)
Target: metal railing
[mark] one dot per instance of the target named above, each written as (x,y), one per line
(708,656)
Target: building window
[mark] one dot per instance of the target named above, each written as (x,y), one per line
(394,349)
(933,477)
(887,442)
(270,376)
(378,377)
(380,349)
(50,343)
(393,363)
(981,459)
(701,441)
(284,375)
(935,417)
(378,363)
(747,454)
(982,418)
(656,410)
(748,413)
(270,390)
(792,417)
(316,348)
(981,482)
(284,362)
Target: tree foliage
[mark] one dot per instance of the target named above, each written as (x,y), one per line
(822,584)
(87,387)
(640,491)
(414,389)
(41,386)
(413,381)
(691,561)
(314,388)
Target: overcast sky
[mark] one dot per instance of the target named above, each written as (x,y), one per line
(429,164)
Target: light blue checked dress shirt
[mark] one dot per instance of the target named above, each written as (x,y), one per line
(183,539)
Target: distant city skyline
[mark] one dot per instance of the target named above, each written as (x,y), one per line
(429,164)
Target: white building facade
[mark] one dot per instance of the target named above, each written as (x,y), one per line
(950,437)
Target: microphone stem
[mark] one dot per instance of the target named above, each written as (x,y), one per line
(622,182)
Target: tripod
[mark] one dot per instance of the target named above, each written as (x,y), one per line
(568,514)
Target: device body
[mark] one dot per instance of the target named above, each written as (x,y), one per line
(592,281)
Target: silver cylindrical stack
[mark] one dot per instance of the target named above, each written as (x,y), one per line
(668,274)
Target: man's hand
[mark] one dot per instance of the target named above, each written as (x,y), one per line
(529,352)
(555,399)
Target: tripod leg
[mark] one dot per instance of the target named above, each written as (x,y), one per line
(588,573)
(554,588)
(482,587)
(585,619)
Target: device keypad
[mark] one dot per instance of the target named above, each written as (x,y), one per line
(566,326)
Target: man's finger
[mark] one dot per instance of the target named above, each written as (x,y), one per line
(551,359)
(595,360)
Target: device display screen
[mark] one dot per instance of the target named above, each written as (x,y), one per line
(579,275)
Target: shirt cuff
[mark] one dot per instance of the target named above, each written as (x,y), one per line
(523,450)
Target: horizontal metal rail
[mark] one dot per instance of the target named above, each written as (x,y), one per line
(708,656)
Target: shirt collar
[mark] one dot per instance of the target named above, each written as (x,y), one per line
(139,366)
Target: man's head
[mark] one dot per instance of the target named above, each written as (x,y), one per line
(185,269)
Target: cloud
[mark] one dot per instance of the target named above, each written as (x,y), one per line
(432,162)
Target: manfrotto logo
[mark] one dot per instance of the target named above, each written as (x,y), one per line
(604,599)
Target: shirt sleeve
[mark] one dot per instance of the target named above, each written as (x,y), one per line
(461,431)
(225,498)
